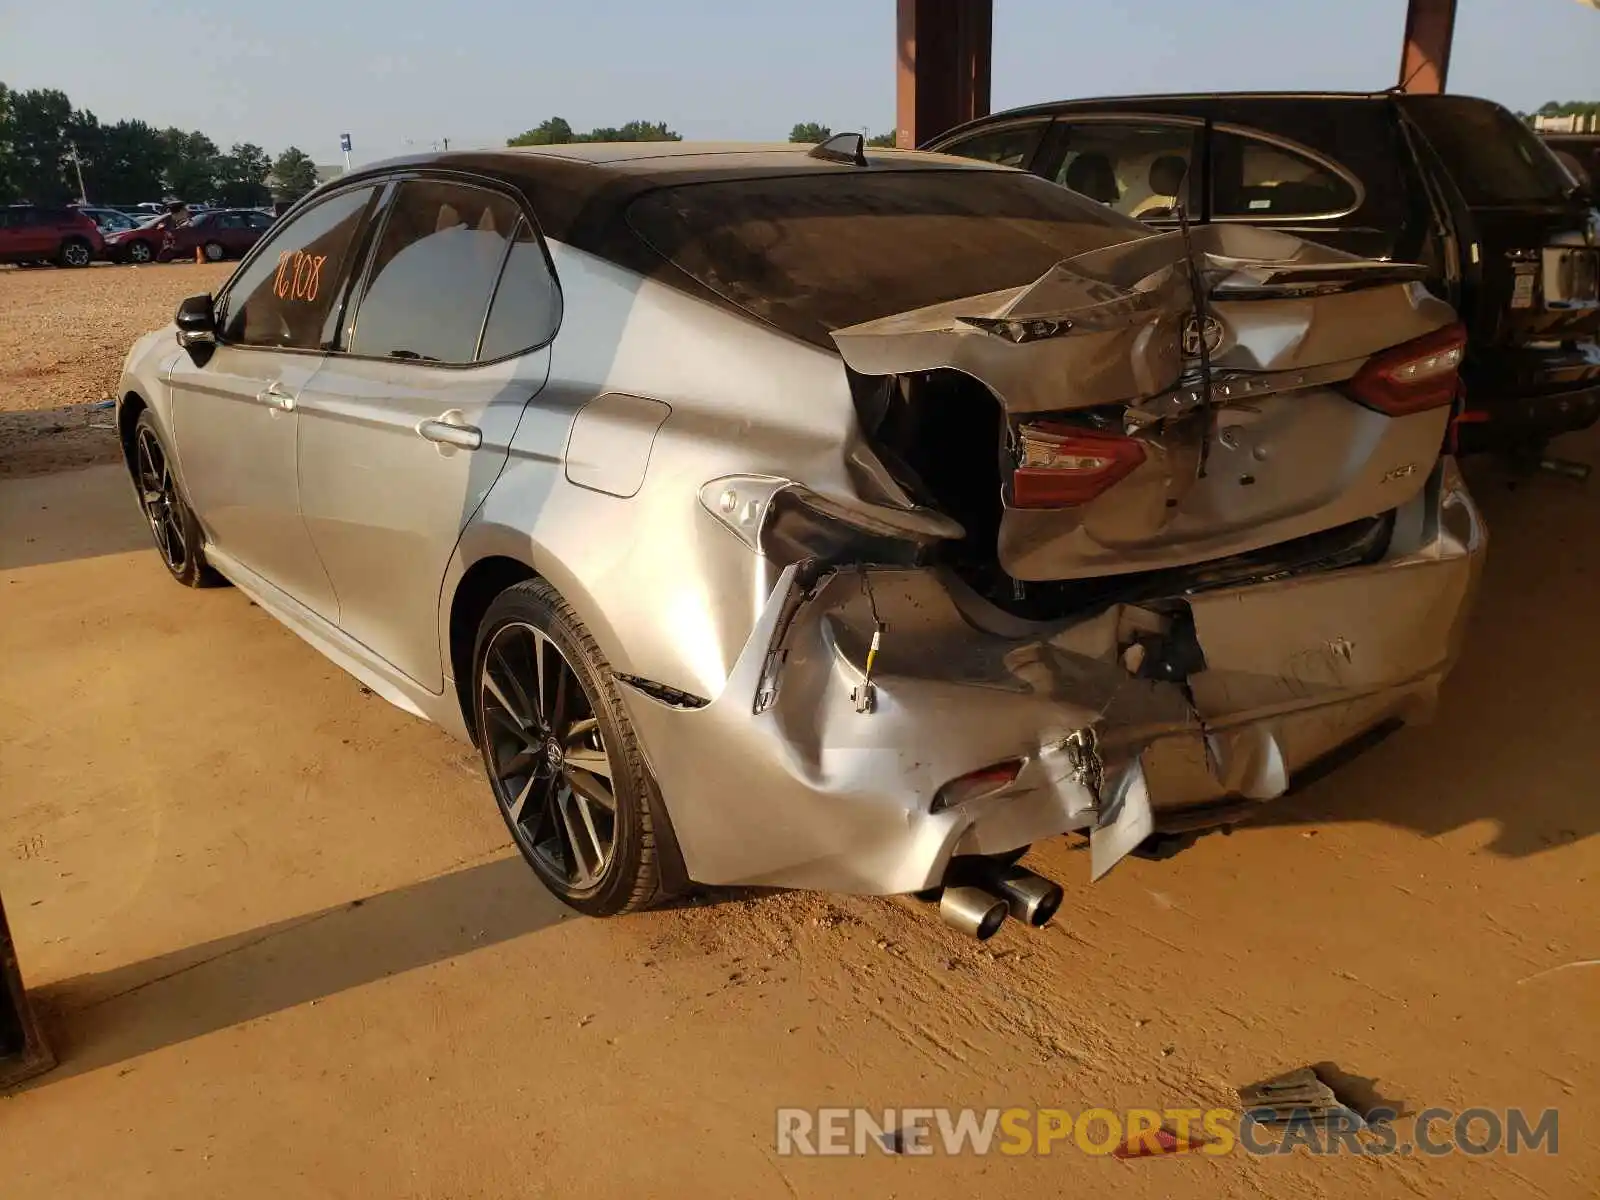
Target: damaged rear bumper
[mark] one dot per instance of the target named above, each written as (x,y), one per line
(784,781)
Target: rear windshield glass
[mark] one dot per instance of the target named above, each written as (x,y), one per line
(817,252)
(1494,158)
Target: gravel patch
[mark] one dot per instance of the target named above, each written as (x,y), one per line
(64,334)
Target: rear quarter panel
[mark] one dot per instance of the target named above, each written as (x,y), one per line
(669,593)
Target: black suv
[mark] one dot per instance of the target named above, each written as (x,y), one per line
(1453,182)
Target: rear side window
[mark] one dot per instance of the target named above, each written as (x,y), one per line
(285,295)
(526,306)
(434,272)
(1012,146)
(1255,178)
(1493,158)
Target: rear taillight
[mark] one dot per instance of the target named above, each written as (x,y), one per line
(983,782)
(1418,375)
(1061,465)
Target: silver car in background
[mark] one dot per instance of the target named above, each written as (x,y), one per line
(792,517)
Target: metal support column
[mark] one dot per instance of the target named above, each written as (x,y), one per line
(1430,28)
(23,1053)
(943,74)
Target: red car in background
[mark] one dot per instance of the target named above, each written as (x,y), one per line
(37,233)
(218,233)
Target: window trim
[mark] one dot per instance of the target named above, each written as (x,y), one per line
(1250,133)
(354,295)
(220,302)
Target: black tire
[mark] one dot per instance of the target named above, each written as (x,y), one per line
(214,251)
(173,528)
(75,252)
(568,858)
(138,251)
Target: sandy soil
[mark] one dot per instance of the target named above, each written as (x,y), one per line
(63,337)
(283,949)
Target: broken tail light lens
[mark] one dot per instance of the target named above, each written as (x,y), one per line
(1413,377)
(983,782)
(1061,465)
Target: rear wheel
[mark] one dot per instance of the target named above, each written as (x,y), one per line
(561,756)
(214,252)
(75,252)
(172,524)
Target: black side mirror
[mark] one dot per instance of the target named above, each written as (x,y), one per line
(197,322)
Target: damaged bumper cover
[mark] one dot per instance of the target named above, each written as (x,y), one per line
(783,780)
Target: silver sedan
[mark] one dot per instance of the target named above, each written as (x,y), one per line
(801,517)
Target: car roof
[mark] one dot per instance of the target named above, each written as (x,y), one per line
(579,191)
(1050,108)
(677,159)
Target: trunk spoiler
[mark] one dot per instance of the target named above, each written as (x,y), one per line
(1117,324)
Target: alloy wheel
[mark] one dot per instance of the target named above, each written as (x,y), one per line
(158,492)
(76,254)
(548,762)
(139,252)
(214,252)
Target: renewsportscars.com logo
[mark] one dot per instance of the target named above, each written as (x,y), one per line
(1142,1132)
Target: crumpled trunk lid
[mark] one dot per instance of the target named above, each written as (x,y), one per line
(1111,340)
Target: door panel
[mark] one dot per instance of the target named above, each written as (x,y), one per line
(236,436)
(234,411)
(384,504)
(401,439)
(35,236)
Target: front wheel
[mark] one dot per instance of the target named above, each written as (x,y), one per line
(139,252)
(172,523)
(562,757)
(215,252)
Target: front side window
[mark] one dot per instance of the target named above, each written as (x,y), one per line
(1138,170)
(1255,178)
(1012,146)
(284,297)
(433,273)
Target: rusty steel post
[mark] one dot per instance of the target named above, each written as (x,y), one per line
(942,74)
(1425,62)
(23,1053)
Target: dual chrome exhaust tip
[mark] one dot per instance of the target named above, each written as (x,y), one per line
(981,893)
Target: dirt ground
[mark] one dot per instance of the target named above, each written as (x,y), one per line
(282,947)
(63,337)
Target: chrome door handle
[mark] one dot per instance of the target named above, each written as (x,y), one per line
(448,429)
(275,397)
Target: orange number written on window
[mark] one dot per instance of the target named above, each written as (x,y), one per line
(299,275)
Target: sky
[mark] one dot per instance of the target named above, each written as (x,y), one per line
(405,74)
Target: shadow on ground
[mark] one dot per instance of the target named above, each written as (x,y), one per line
(69,515)
(1517,738)
(95,1021)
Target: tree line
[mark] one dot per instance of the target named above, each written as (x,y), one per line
(46,145)
(556,131)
